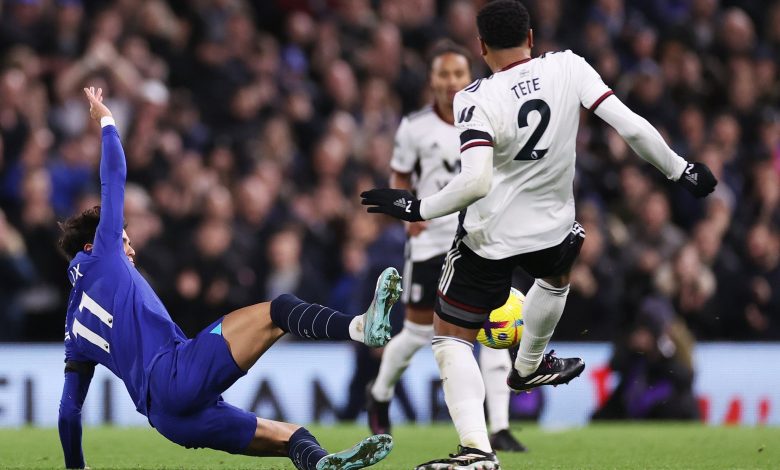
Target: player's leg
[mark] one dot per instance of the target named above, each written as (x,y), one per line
(416,333)
(273,438)
(542,311)
(543,307)
(419,294)
(470,288)
(250,331)
(495,365)
(224,427)
(313,321)
(395,359)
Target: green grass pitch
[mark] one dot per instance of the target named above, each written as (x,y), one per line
(597,447)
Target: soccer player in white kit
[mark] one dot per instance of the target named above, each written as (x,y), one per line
(425,158)
(518,130)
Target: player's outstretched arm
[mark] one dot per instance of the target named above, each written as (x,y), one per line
(113,173)
(78,376)
(648,144)
(471,184)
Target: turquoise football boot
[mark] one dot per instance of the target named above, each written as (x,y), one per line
(365,453)
(376,326)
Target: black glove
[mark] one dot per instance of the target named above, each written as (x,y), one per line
(398,203)
(698,179)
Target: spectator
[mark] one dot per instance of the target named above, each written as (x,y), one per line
(691,286)
(654,364)
(18,273)
(595,291)
(242,117)
(288,272)
(760,316)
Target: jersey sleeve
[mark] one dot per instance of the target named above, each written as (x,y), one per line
(113,173)
(404,155)
(472,121)
(591,89)
(74,392)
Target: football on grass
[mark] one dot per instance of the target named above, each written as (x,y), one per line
(504,326)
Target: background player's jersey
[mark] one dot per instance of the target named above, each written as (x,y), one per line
(427,147)
(114,318)
(531,112)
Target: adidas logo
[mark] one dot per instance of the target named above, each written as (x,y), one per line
(400,203)
(691,177)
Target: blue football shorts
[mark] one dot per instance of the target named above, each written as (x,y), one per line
(185,402)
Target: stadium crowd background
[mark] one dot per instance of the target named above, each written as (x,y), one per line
(250,128)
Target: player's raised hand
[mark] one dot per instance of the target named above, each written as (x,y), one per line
(698,179)
(398,203)
(97,109)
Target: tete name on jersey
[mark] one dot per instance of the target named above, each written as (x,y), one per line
(526,87)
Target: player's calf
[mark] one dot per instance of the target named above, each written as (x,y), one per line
(314,321)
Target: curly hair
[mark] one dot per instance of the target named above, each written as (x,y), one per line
(503,24)
(77,231)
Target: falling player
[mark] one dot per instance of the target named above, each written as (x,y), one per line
(426,157)
(518,131)
(115,319)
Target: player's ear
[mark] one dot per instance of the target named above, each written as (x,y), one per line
(530,38)
(483,47)
(88,247)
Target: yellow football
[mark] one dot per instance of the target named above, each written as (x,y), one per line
(504,327)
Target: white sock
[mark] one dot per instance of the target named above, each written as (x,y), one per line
(541,311)
(495,365)
(356,327)
(395,359)
(464,391)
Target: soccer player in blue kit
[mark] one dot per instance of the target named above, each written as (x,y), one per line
(115,319)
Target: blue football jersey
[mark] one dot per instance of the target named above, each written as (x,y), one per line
(114,318)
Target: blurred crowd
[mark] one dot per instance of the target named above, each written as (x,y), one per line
(250,127)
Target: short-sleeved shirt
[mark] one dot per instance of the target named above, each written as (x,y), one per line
(529,112)
(427,147)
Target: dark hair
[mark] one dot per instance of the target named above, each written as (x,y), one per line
(447,46)
(77,231)
(503,24)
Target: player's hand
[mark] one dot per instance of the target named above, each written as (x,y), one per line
(97,109)
(698,179)
(398,203)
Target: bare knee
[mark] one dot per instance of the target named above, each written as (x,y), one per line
(421,316)
(558,281)
(444,328)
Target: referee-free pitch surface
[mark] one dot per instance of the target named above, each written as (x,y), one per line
(596,447)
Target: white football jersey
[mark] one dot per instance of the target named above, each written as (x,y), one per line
(529,112)
(427,147)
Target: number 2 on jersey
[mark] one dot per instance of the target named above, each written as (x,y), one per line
(528,152)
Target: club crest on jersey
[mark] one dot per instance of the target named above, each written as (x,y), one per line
(466,114)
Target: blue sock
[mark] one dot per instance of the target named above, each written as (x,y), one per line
(304,450)
(311,321)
